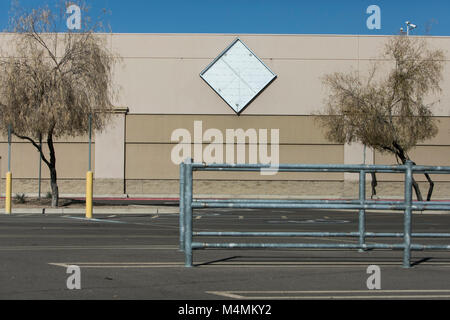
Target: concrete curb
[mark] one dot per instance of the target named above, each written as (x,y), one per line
(160,210)
(77,211)
(217,196)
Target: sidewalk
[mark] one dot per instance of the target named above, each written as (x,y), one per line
(141,204)
(104,204)
(77,211)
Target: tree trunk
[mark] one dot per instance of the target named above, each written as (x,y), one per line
(417,190)
(53,174)
(54,186)
(430,190)
(401,154)
(51,164)
(374,185)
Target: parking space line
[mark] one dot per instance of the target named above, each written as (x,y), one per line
(95,220)
(207,264)
(334,294)
(225,294)
(332,264)
(44,248)
(122,265)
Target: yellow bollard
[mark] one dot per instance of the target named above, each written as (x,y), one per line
(89,192)
(8,192)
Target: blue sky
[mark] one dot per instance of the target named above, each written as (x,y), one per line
(263,16)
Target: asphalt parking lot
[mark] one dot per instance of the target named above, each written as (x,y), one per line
(136,256)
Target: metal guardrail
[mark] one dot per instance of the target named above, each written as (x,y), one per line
(188,203)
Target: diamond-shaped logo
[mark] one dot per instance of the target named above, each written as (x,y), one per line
(237,75)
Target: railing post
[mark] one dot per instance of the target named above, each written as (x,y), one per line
(362,212)
(181,204)
(408,214)
(188,213)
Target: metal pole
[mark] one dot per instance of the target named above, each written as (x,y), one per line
(362,212)
(89,194)
(182,189)
(9,148)
(90,140)
(407,218)
(318,234)
(407,205)
(89,177)
(8,195)
(201,245)
(40,167)
(188,214)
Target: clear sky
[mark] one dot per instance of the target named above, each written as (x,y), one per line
(263,16)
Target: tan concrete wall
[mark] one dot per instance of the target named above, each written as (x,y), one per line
(433,152)
(110,159)
(72,154)
(160,85)
(424,155)
(355,153)
(150,161)
(160,72)
(159,128)
(149,145)
(71,160)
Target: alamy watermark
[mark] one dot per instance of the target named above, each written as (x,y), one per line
(74,20)
(74,280)
(374,281)
(213,146)
(374,20)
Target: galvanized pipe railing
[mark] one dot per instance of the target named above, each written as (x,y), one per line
(187,204)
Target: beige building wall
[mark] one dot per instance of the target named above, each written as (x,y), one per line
(301,141)
(162,91)
(72,164)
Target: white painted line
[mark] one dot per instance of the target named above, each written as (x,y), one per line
(81,236)
(351,297)
(124,263)
(206,264)
(336,294)
(61,264)
(225,294)
(341,291)
(95,220)
(331,264)
(121,265)
(44,248)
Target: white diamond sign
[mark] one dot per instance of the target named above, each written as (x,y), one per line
(237,75)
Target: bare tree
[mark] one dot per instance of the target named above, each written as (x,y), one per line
(387,110)
(53,82)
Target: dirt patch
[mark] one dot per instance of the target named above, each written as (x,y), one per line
(25,202)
